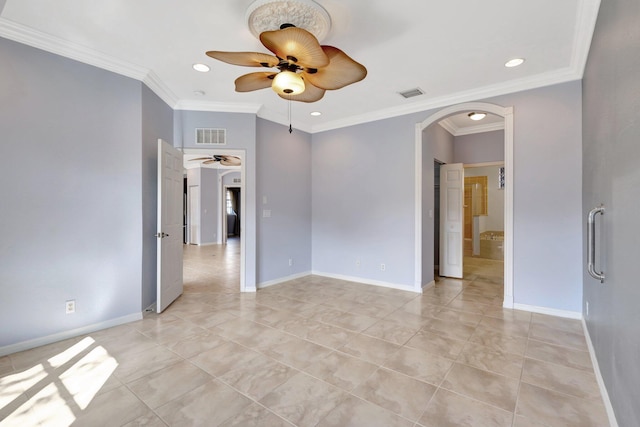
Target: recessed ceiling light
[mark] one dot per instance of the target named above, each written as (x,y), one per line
(514,62)
(316,113)
(203,68)
(477,116)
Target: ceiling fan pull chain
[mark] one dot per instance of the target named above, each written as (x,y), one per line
(290,128)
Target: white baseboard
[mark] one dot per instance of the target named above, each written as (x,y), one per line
(367,281)
(60,336)
(596,368)
(550,311)
(282,279)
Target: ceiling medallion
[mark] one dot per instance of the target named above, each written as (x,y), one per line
(269,15)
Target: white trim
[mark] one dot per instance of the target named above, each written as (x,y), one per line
(596,369)
(513,86)
(417,196)
(158,87)
(507,114)
(275,117)
(268,283)
(549,311)
(448,126)
(50,43)
(221,107)
(72,333)
(470,130)
(585,26)
(367,281)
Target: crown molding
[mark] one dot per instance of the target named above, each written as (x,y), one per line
(222,107)
(154,83)
(272,116)
(469,130)
(50,43)
(555,77)
(449,126)
(586,18)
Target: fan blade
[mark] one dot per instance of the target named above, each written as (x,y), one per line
(210,161)
(200,158)
(247,59)
(254,81)
(296,45)
(341,71)
(230,161)
(311,94)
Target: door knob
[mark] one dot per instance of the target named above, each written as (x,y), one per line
(161,235)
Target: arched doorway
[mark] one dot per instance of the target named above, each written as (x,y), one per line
(507,114)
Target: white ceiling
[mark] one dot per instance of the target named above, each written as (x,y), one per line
(454,50)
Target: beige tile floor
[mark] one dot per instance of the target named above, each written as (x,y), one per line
(313,352)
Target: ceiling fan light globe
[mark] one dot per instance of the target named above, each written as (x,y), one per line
(288,83)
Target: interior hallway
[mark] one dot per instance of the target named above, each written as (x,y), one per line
(314,351)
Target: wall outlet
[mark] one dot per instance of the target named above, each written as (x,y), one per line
(70,306)
(383,267)
(290,262)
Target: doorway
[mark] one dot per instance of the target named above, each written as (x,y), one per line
(211,262)
(507,114)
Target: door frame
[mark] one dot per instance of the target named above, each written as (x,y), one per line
(507,114)
(243,200)
(222,207)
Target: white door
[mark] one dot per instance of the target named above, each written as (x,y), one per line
(170,188)
(451,219)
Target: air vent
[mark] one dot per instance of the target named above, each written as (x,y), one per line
(211,136)
(412,92)
(237,180)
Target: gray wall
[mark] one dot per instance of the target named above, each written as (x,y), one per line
(611,155)
(363,189)
(157,123)
(70,167)
(479,147)
(284,178)
(548,173)
(209,205)
(363,201)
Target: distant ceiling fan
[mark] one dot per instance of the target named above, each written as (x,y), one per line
(305,68)
(223,159)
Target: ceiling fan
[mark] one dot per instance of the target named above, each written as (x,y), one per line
(224,160)
(305,69)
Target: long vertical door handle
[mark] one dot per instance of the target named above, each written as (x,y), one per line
(591,244)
